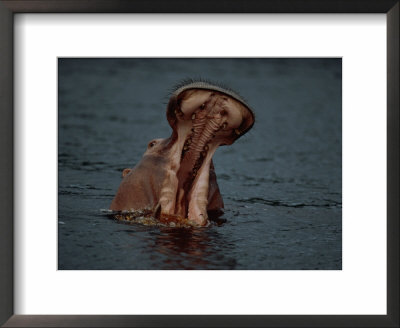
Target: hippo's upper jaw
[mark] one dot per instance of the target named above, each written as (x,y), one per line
(202,118)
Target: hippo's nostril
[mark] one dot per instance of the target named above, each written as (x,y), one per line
(178,113)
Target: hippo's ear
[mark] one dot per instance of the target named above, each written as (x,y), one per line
(125,172)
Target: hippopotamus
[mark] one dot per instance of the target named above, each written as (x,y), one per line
(175,179)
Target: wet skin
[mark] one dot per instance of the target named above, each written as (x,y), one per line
(175,178)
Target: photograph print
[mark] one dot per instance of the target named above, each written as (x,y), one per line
(199,164)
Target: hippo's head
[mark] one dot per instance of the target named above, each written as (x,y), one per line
(176,177)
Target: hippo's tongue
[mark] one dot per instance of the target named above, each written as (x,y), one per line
(203,120)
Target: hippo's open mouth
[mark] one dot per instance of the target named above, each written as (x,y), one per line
(202,117)
(175,179)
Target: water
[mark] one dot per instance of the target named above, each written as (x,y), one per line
(281,182)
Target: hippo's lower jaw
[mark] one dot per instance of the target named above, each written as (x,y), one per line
(203,120)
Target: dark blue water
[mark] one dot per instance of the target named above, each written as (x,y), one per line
(281,182)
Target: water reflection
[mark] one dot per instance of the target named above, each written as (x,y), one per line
(194,248)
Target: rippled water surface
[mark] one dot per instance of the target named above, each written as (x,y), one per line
(281,182)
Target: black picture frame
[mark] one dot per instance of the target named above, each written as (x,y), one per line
(10,7)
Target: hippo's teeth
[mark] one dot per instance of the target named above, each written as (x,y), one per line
(193,116)
(237,131)
(206,147)
(224,126)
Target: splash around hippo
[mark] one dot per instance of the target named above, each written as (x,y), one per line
(175,180)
